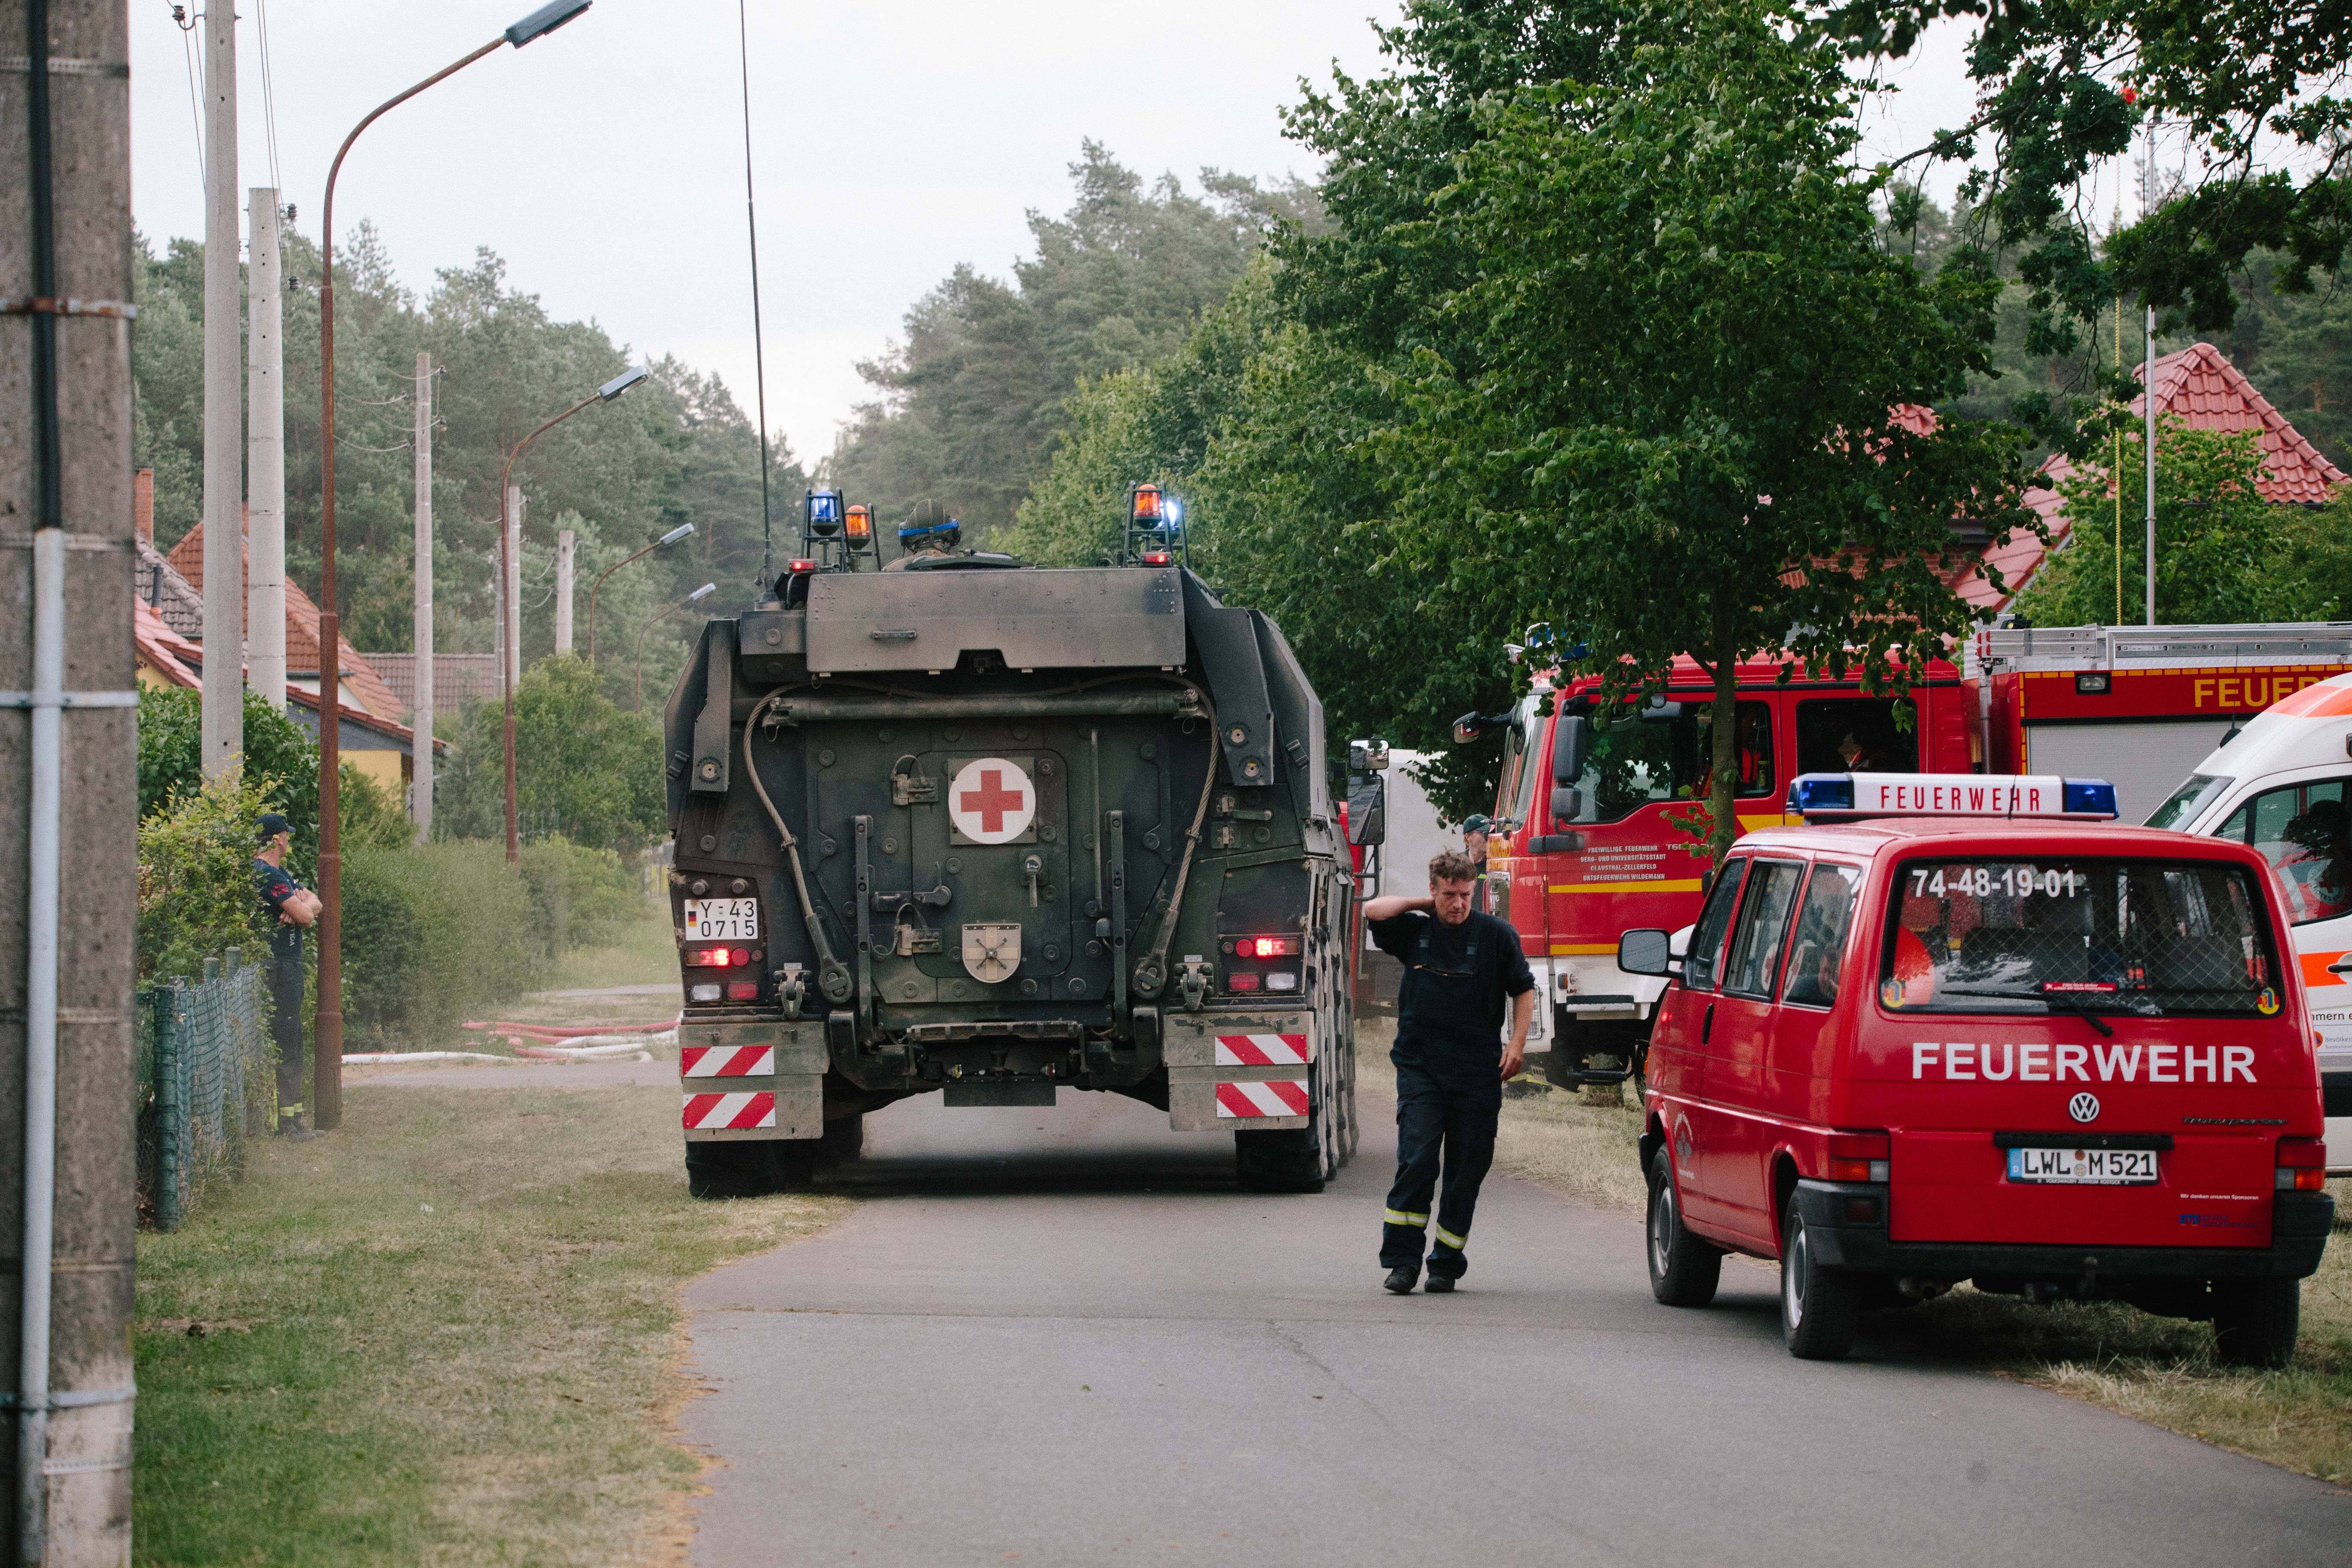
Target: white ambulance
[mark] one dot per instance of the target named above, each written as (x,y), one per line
(2284,785)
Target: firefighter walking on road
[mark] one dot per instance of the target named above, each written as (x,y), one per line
(1451,1060)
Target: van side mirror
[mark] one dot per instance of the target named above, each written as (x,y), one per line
(1646,950)
(1571,748)
(1368,806)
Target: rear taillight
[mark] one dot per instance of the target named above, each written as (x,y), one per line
(742,990)
(719,957)
(1241,982)
(1859,1156)
(702,992)
(2302,1165)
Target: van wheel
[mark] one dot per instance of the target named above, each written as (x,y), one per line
(2256,1321)
(1684,1270)
(1818,1309)
(749,1168)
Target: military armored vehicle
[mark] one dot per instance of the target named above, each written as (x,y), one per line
(999,833)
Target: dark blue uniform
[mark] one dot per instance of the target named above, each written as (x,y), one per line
(1451,1010)
(275,886)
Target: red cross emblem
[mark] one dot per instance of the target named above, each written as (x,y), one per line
(992,801)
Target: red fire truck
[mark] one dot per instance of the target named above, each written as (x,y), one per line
(1592,850)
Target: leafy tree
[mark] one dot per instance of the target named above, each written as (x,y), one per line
(1651,399)
(583,768)
(2222,554)
(281,763)
(2256,85)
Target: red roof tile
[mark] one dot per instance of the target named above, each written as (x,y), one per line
(301,632)
(2201,388)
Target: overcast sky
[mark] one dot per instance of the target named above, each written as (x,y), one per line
(891,140)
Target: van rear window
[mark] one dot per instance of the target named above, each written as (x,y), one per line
(2149,938)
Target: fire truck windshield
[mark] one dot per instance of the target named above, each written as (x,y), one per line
(1644,758)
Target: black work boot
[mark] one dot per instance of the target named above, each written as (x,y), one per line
(1401,1280)
(1439,1285)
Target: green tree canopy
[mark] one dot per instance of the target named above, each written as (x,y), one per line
(585,770)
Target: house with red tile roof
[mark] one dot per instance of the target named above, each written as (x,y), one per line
(2199,387)
(362,687)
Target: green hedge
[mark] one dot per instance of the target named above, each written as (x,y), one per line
(436,932)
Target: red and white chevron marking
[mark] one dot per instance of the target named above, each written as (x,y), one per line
(1283,1096)
(706,1111)
(1263,1050)
(726,1061)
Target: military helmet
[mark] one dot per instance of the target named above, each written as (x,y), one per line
(928,526)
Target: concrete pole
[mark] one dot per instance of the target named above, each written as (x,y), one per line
(265,446)
(420,796)
(223,727)
(566,547)
(2147,437)
(68,801)
(514,586)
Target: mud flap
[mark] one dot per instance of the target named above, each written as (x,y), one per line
(752,1083)
(1239,1072)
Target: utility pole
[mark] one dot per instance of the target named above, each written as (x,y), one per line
(420,790)
(567,545)
(513,609)
(69,802)
(265,445)
(222,725)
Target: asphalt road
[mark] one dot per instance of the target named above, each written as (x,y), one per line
(1063,1337)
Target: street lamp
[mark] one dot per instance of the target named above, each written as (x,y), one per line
(513,659)
(327,1045)
(651,621)
(672,537)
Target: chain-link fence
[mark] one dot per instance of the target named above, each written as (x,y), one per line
(205,1081)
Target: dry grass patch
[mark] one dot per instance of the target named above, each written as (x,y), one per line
(457,1337)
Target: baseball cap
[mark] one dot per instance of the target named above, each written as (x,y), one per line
(1477,822)
(272,824)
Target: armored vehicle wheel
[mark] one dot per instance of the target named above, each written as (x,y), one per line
(2255,1322)
(843,1141)
(750,1169)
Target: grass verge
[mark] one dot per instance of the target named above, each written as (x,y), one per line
(642,953)
(2158,1369)
(449,1333)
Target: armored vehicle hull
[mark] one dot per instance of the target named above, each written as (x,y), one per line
(998,832)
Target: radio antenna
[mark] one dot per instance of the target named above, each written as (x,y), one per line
(758,347)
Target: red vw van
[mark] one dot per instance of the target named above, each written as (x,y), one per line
(1963,1027)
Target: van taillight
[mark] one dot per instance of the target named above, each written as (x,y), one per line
(2302,1165)
(1859,1156)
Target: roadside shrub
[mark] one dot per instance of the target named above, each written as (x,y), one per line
(583,768)
(431,934)
(370,818)
(195,877)
(582,896)
(281,759)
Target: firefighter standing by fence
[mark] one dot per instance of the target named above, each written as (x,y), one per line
(1450,1061)
(293,909)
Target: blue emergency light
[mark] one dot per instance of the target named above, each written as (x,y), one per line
(2091,797)
(823,511)
(1833,795)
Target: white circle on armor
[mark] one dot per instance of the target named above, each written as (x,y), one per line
(992,801)
(2083,1106)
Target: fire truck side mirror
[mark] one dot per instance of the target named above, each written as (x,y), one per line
(1567,805)
(1368,803)
(1571,747)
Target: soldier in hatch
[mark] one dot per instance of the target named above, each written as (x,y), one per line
(929,531)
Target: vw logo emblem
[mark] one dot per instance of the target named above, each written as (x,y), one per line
(2083,1106)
